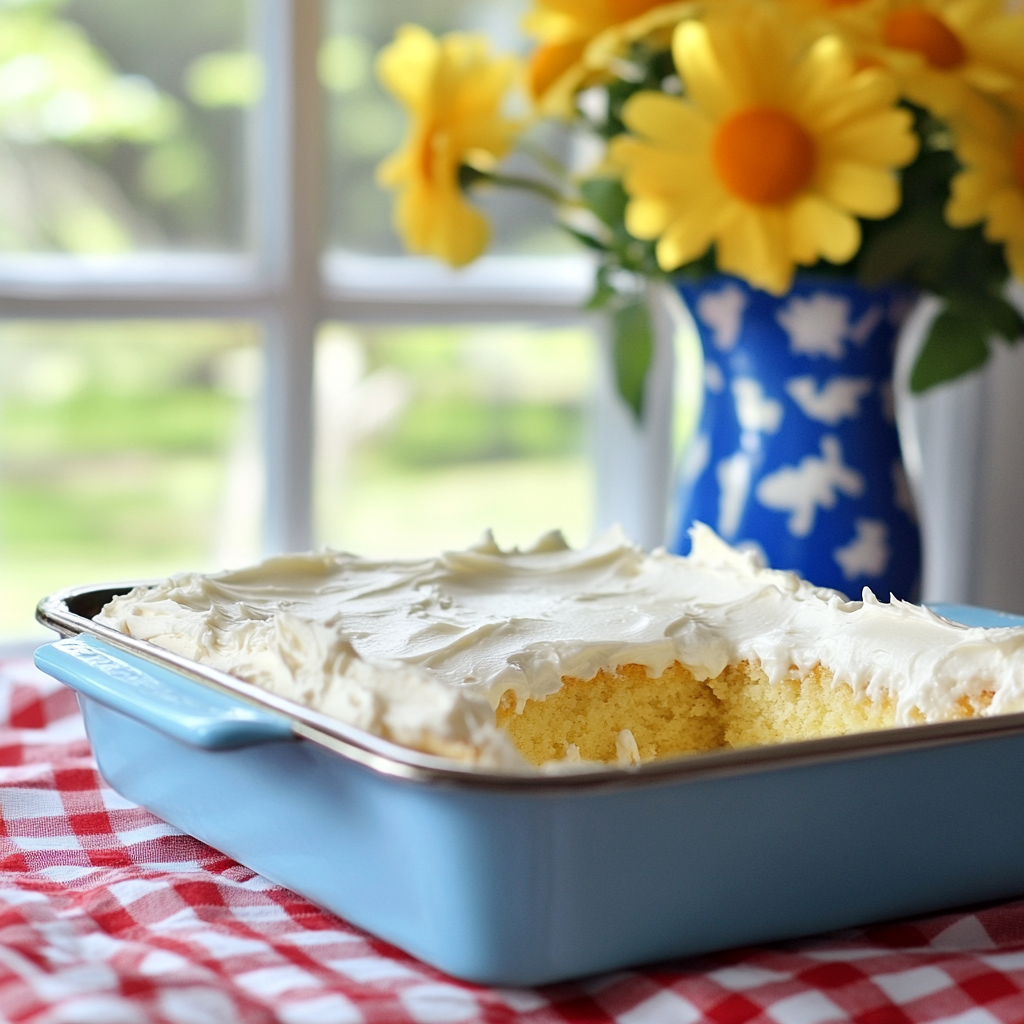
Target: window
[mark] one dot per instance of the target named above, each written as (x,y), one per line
(128,450)
(428,435)
(123,126)
(187,188)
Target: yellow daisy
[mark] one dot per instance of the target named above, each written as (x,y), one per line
(990,188)
(944,51)
(772,155)
(655,27)
(453,90)
(565,29)
(858,18)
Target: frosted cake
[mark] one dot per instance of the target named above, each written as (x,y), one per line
(553,655)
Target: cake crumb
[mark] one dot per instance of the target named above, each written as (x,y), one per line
(626,749)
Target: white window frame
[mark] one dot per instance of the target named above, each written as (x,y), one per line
(287,285)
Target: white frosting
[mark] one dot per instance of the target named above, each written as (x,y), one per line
(422,651)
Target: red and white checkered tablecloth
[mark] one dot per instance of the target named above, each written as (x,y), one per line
(108,915)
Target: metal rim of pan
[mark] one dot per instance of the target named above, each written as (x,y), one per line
(385,757)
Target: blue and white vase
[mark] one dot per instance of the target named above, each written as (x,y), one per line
(796,452)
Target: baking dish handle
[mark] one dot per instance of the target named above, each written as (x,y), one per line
(158,697)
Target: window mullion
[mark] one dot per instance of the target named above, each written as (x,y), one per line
(289,200)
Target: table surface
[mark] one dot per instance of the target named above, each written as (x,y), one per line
(109,915)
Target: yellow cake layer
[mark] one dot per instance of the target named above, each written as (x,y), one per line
(672,714)
(675,713)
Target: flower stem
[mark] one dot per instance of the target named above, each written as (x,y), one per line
(544,159)
(470,176)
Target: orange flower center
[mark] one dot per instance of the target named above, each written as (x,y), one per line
(842,3)
(763,155)
(426,156)
(914,28)
(434,143)
(1018,158)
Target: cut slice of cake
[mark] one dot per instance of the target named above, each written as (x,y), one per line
(553,655)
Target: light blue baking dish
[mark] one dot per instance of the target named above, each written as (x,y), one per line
(521,880)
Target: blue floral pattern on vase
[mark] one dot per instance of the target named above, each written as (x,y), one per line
(797,452)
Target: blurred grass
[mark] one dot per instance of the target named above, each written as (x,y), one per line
(173,421)
(120,446)
(137,508)
(488,430)
(448,507)
(113,440)
(436,431)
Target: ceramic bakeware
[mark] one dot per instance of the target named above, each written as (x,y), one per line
(524,879)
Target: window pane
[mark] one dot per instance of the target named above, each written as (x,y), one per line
(122,124)
(365,124)
(428,436)
(128,450)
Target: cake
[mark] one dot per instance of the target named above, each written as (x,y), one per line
(552,656)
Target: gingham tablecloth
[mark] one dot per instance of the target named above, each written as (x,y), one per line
(109,915)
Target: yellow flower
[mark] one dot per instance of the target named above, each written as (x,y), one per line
(943,51)
(771,156)
(990,188)
(565,29)
(453,91)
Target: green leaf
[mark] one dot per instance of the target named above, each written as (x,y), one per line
(606,199)
(894,252)
(469,176)
(588,240)
(1000,317)
(603,291)
(915,245)
(601,296)
(957,343)
(633,344)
